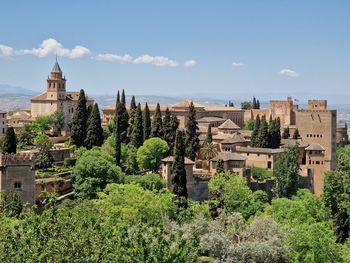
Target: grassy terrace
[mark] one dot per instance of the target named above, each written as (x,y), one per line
(57,171)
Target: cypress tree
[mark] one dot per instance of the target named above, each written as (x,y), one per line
(263,134)
(179,180)
(118,143)
(286,133)
(258,104)
(168,132)
(157,125)
(79,121)
(10,142)
(220,166)
(137,132)
(192,140)
(253,141)
(296,134)
(94,135)
(118,97)
(254,103)
(132,111)
(274,134)
(146,118)
(123,117)
(209,138)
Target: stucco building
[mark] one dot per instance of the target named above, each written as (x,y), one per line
(3,123)
(56,98)
(17,174)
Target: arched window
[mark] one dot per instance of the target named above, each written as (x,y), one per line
(17,185)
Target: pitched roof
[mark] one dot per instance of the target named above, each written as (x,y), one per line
(229,156)
(210,119)
(170,159)
(259,150)
(229,125)
(186,104)
(235,139)
(56,68)
(70,95)
(315,147)
(291,142)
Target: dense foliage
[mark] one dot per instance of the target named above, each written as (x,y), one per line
(192,138)
(150,154)
(79,121)
(9,144)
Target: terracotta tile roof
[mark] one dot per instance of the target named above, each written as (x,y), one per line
(259,150)
(290,142)
(170,159)
(229,125)
(210,119)
(315,147)
(71,95)
(229,156)
(235,139)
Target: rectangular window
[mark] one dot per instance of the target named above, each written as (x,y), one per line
(269,165)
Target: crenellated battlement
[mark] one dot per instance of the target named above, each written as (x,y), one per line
(16,159)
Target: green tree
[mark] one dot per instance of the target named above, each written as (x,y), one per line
(79,121)
(258,104)
(249,125)
(246,105)
(296,134)
(262,140)
(254,138)
(192,139)
(130,164)
(137,133)
(44,159)
(94,135)
(148,181)
(10,141)
(132,111)
(231,192)
(146,118)
(179,180)
(95,169)
(337,198)
(220,166)
(209,137)
(25,136)
(43,123)
(275,134)
(122,117)
(254,103)
(208,151)
(287,172)
(118,143)
(157,124)
(150,154)
(10,203)
(170,125)
(286,134)
(58,120)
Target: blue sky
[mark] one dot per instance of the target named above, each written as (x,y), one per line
(209,48)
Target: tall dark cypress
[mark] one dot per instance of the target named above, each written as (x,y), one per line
(254,103)
(286,134)
(179,180)
(274,134)
(192,138)
(146,118)
(118,143)
(253,140)
(123,117)
(258,104)
(170,125)
(209,138)
(137,132)
(263,134)
(10,142)
(94,135)
(132,111)
(157,124)
(296,134)
(79,121)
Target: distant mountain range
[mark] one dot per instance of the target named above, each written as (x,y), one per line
(9,90)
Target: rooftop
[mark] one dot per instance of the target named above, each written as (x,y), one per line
(170,159)
(259,150)
(229,156)
(315,147)
(235,139)
(229,125)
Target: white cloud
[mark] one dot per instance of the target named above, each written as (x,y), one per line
(158,61)
(5,51)
(53,47)
(237,64)
(114,58)
(190,63)
(289,73)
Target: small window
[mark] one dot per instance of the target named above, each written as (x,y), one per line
(258,154)
(269,155)
(309,161)
(269,165)
(17,185)
(317,162)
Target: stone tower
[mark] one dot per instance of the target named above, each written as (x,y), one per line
(56,84)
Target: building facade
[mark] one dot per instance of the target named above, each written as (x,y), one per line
(3,123)
(17,174)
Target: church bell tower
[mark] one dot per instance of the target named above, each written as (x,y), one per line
(56,84)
